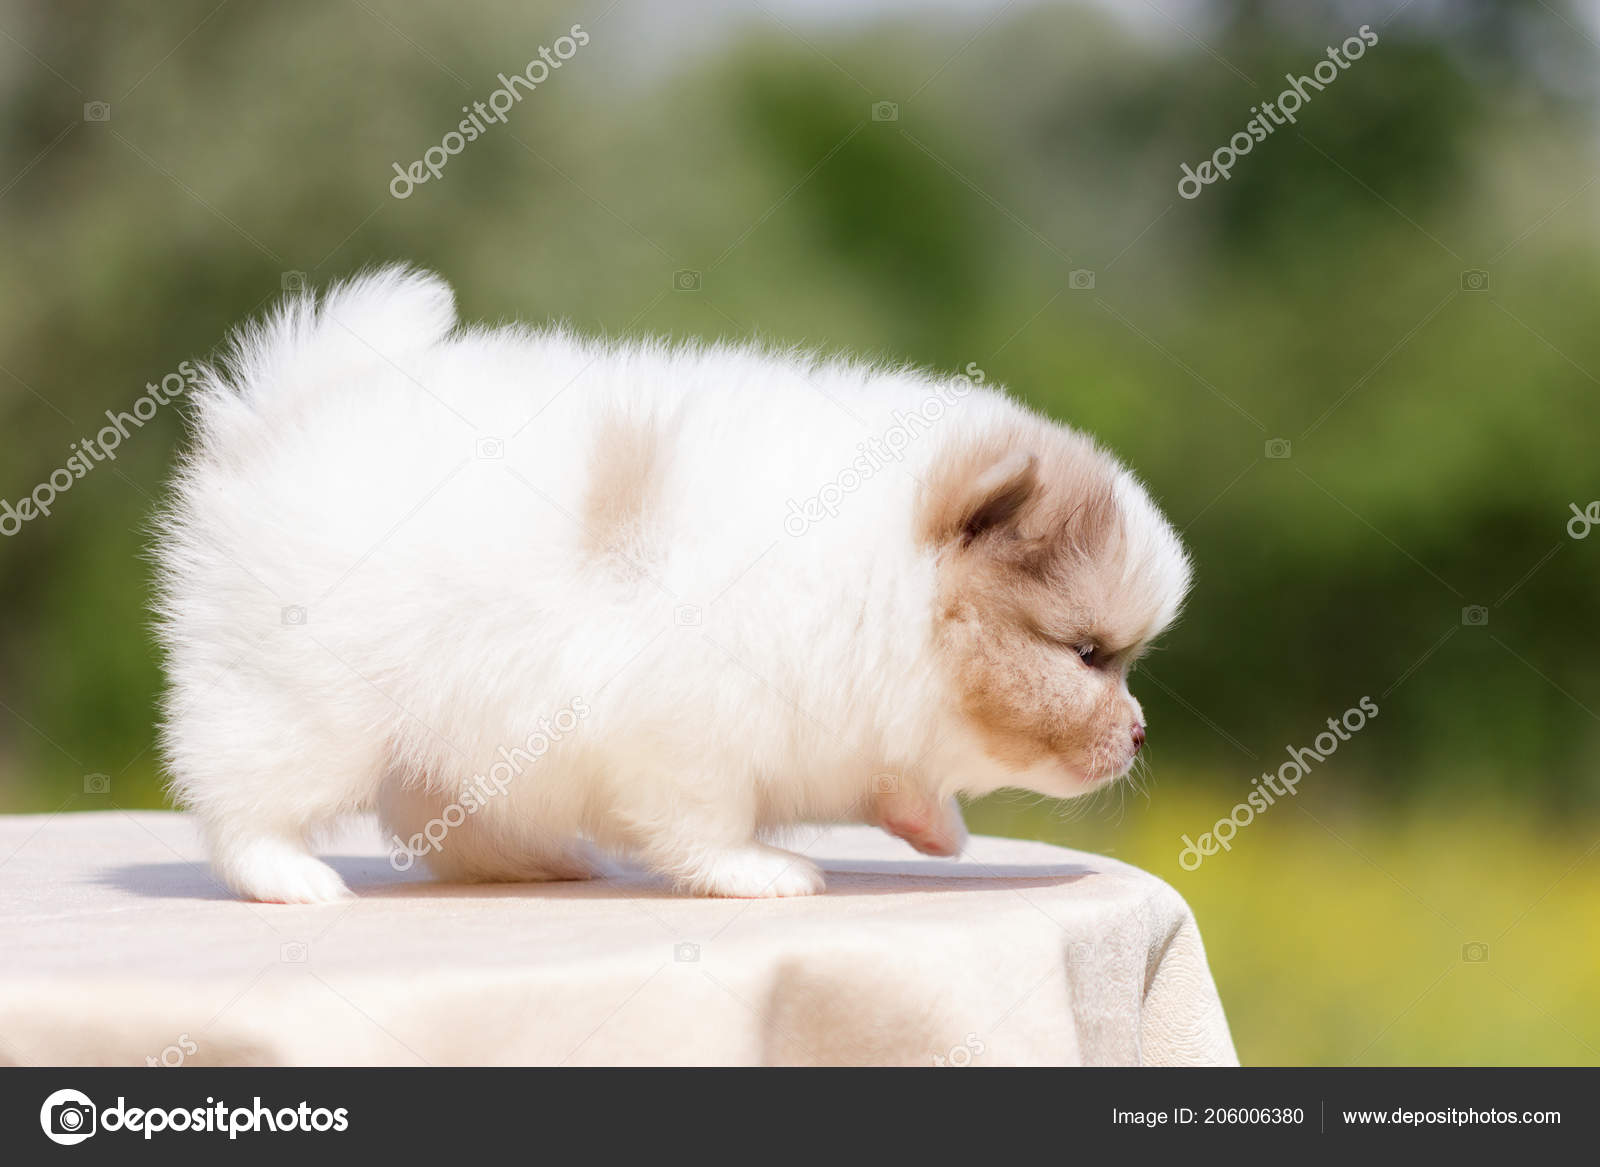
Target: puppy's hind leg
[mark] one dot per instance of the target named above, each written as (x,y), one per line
(276,869)
(263,849)
(261,805)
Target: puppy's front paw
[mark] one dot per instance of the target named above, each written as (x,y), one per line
(930,827)
(755,872)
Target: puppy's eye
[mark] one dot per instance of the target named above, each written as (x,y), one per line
(1086,653)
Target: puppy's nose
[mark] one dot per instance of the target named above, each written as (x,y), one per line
(1138,736)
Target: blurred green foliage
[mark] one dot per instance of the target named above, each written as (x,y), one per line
(1438,430)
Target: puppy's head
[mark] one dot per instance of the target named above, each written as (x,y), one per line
(1055,570)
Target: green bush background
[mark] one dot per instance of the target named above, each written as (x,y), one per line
(1439,432)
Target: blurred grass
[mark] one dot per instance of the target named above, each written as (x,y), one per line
(1338,935)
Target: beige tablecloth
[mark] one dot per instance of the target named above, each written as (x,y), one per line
(117,947)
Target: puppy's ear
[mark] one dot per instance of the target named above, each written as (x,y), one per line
(977,499)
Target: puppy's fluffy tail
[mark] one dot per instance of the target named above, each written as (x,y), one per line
(383,316)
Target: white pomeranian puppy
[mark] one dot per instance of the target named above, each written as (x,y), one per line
(536,598)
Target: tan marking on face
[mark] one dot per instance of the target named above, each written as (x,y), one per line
(1037,557)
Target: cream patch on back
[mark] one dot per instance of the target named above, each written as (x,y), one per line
(628,465)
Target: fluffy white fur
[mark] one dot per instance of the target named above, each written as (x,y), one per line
(381,575)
